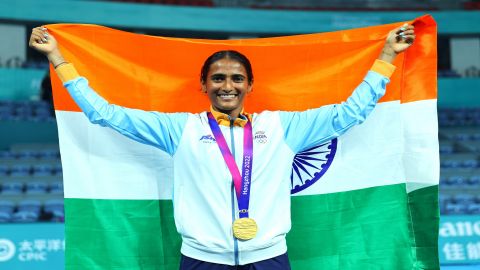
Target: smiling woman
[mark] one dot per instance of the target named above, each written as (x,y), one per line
(222,224)
(226,81)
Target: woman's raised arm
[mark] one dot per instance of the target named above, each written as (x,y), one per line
(162,130)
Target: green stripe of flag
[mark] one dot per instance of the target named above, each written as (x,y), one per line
(121,234)
(365,229)
(362,229)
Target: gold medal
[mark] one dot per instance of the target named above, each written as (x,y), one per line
(244,228)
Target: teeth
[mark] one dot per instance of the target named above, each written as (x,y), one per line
(227,96)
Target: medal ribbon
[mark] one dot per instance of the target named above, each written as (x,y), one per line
(241,182)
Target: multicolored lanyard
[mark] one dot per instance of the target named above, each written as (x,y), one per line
(241,182)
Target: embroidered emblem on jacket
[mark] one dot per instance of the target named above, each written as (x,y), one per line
(260,137)
(207,139)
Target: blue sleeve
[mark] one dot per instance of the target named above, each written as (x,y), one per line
(306,129)
(162,130)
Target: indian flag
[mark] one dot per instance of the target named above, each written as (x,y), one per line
(366,200)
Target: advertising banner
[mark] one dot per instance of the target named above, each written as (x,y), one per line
(459,240)
(32,246)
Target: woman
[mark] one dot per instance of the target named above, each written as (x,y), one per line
(225,225)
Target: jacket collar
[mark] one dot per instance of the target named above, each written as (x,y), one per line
(224,119)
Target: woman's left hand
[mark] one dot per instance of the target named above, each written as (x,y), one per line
(398,40)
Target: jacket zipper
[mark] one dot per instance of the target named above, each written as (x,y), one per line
(235,241)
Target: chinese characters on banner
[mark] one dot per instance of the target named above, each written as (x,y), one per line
(36,246)
(459,239)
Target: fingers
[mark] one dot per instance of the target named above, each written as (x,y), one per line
(404,28)
(410,39)
(405,38)
(36,39)
(405,33)
(39,36)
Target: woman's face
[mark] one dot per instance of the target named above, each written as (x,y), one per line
(226,86)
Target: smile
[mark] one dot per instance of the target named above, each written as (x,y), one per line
(226,96)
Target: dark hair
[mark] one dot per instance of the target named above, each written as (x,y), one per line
(229,54)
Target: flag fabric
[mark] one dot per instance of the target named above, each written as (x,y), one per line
(366,200)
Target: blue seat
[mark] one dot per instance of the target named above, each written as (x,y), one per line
(443,199)
(23,111)
(470,146)
(28,211)
(42,169)
(20,169)
(30,205)
(25,216)
(42,112)
(456,180)
(464,198)
(474,180)
(41,173)
(55,207)
(12,188)
(473,208)
(49,154)
(26,154)
(6,114)
(445,122)
(57,170)
(446,148)
(56,187)
(4,169)
(443,180)
(6,154)
(54,204)
(5,217)
(470,163)
(6,210)
(455,209)
(450,163)
(462,137)
(36,187)
(459,113)
(58,216)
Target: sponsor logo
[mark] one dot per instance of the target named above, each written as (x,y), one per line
(207,139)
(7,250)
(39,249)
(260,137)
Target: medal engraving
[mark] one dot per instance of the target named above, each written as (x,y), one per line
(245,228)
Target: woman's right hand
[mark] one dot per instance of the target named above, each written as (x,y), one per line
(43,42)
